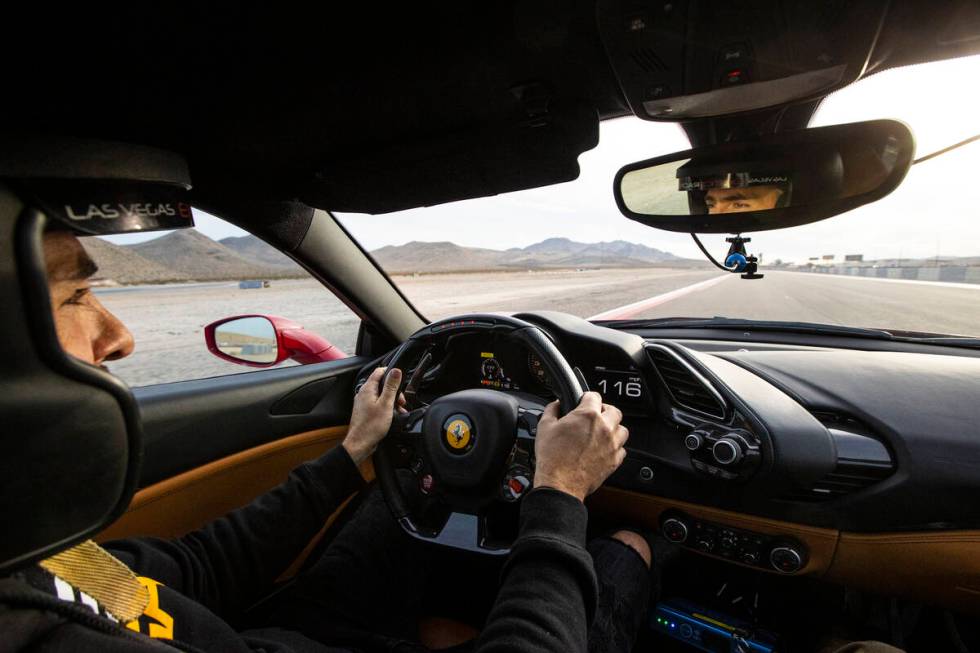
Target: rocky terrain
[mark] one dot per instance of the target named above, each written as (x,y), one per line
(121,265)
(189,255)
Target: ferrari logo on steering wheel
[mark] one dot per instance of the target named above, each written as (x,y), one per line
(459,433)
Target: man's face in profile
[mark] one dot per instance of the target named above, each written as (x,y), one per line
(86,329)
(739,200)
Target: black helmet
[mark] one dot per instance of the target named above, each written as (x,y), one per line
(801,180)
(70,444)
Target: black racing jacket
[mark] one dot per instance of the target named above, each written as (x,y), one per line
(201,583)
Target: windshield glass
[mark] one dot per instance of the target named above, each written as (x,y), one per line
(909,262)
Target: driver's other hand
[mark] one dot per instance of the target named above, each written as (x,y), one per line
(371,417)
(576,453)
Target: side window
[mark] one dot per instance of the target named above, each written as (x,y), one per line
(166,287)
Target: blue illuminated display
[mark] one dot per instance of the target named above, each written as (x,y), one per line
(668,619)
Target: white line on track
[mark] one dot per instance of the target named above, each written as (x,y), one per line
(631,310)
(913,282)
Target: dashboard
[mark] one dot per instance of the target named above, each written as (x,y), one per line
(853,464)
(828,438)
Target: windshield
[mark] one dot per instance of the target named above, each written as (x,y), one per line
(909,262)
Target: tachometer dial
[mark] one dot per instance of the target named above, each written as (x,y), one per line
(492,371)
(537,370)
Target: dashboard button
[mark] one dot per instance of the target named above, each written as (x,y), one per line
(728,540)
(786,559)
(733,54)
(705,544)
(675,530)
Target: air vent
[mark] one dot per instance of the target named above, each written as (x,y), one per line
(687,387)
(647,60)
(862,461)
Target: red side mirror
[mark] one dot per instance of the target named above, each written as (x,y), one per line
(266,340)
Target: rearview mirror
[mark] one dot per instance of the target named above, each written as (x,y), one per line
(782,180)
(266,340)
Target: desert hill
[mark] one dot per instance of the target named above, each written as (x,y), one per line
(189,255)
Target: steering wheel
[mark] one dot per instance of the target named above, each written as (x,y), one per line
(470,453)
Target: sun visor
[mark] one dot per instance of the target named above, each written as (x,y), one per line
(539,151)
(98,188)
(104,208)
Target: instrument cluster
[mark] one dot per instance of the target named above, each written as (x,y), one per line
(478,361)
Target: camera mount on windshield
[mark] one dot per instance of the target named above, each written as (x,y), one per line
(738,260)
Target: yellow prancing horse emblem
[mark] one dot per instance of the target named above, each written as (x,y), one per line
(458,434)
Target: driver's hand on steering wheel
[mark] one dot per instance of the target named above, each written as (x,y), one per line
(371,417)
(576,453)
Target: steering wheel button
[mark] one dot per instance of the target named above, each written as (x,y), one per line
(426,484)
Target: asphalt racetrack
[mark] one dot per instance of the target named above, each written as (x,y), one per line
(167,321)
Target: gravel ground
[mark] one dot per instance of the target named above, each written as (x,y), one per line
(167,321)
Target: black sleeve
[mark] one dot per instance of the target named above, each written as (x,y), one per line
(232,562)
(548,594)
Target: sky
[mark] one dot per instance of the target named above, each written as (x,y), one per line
(931,214)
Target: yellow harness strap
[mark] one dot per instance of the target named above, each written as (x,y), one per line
(93,570)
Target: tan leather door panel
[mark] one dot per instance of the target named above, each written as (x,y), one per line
(189,500)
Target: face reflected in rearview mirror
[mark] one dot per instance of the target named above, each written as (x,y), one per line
(750,198)
(781,181)
(249,340)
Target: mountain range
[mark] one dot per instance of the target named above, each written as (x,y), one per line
(189,255)
(551,253)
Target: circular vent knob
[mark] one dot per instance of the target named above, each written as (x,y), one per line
(727,451)
(694,440)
